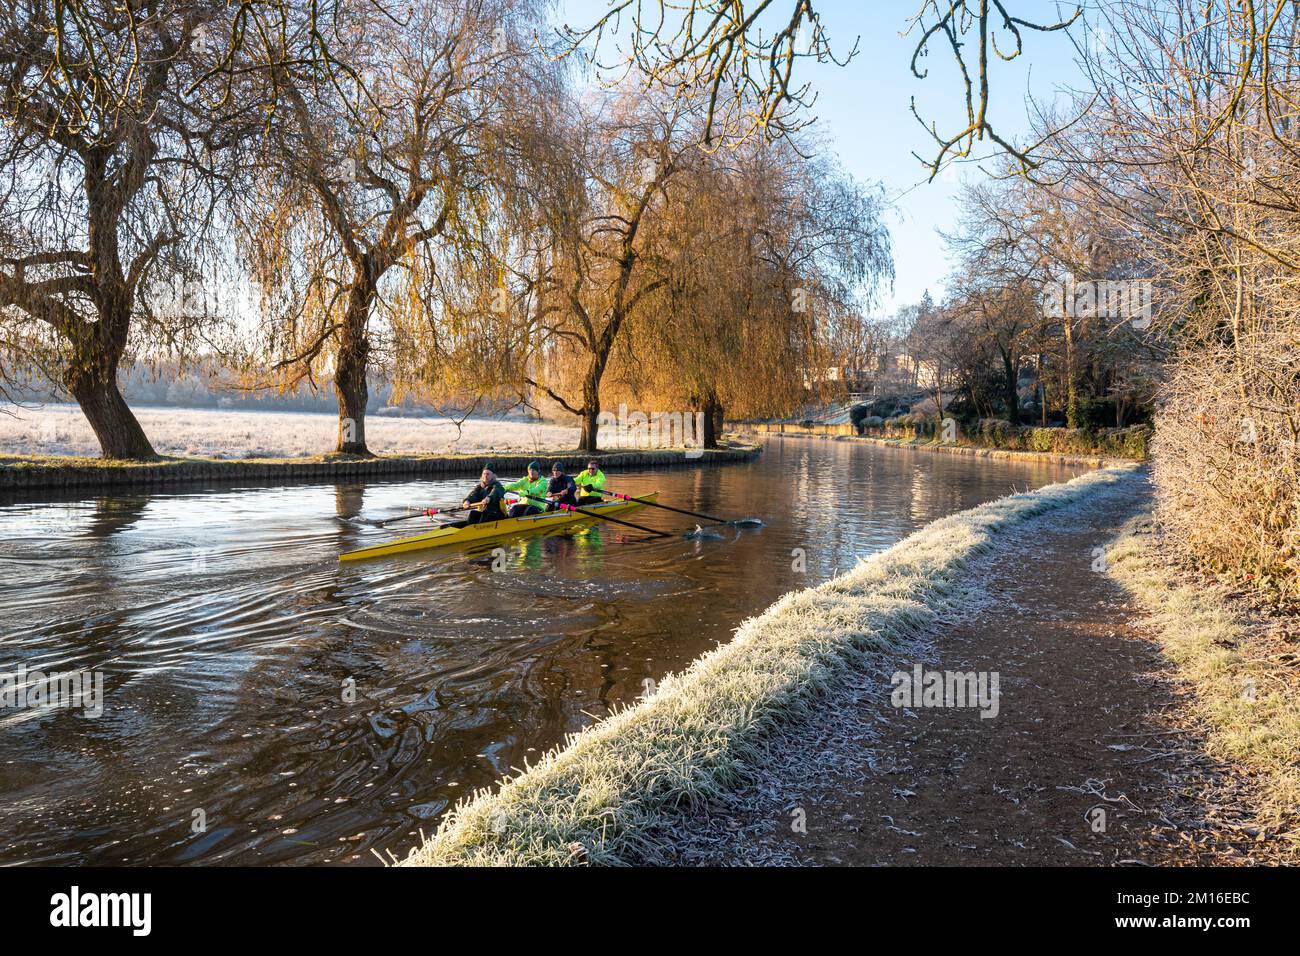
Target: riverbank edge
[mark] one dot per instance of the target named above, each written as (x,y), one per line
(976,451)
(1246,707)
(20,473)
(597,798)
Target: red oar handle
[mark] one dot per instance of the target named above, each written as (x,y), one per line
(424,513)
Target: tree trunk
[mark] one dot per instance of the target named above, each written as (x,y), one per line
(1072,417)
(591,404)
(94,386)
(1012,381)
(95,348)
(590,426)
(350,387)
(712,421)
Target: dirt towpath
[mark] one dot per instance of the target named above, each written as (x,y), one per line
(1083,763)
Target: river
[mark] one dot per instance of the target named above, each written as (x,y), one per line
(266,704)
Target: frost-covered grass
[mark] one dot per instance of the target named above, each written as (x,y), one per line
(1248,702)
(601,797)
(217,433)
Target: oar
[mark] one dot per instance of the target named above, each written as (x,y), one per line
(655,504)
(593,514)
(426,513)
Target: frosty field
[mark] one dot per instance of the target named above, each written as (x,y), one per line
(223,433)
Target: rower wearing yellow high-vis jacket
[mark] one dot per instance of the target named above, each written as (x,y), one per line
(591,482)
(532,491)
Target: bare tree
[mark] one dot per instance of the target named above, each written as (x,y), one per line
(740,57)
(112,45)
(107,193)
(1195,155)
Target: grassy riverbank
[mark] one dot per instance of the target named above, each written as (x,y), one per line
(1133,443)
(21,472)
(990,439)
(599,798)
(1234,658)
(957,448)
(1077,457)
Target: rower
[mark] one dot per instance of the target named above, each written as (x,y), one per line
(591,482)
(531,489)
(487,496)
(562,490)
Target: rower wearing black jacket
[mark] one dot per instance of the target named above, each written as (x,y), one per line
(562,490)
(490,492)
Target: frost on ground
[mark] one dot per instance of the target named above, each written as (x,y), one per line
(1235,648)
(221,433)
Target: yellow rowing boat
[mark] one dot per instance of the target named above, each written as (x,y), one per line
(491,530)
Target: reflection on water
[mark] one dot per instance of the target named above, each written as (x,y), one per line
(266,704)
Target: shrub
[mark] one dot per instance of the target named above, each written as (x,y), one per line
(1132,442)
(1043,439)
(1227,468)
(857,414)
(994,433)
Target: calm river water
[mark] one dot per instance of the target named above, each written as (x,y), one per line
(230,637)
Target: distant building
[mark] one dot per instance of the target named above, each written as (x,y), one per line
(910,372)
(853,379)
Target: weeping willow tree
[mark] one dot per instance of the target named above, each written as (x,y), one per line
(109,186)
(613,165)
(770,252)
(363,190)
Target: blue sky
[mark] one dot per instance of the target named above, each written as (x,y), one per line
(864,111)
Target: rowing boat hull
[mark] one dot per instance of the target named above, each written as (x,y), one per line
(494,530)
